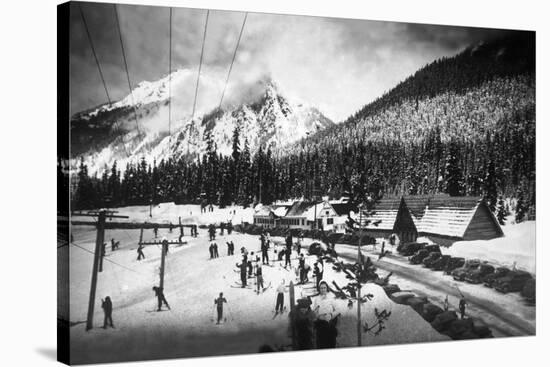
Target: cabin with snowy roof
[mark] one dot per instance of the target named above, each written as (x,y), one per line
(388,216)
(448,219)
(442,218)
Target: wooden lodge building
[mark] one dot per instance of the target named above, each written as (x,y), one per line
(441,218)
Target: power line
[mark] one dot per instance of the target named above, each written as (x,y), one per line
(117,127)
(233,60)
(200,65)
(126,68)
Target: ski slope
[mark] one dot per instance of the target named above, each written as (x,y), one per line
(192,282)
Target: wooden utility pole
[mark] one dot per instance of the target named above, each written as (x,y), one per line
(164,248)
(97,254)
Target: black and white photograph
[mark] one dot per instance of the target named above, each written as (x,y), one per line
(239,182)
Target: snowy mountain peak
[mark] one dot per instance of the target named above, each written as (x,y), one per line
(259,110)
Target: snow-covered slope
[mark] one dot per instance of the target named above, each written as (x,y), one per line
(263,115)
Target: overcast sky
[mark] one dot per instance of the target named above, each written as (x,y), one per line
(338,65)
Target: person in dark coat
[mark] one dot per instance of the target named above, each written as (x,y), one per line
(212,232)
(229,227)
(302,324)
(219,306)
(156,231)
(222,227)
(107,307)
(287,257)
(211,250)
(259,279)
(242,266)
(140,252)
(216,254)
(302,268)
(159,292)
(265,257)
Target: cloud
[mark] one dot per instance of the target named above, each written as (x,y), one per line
(336,64)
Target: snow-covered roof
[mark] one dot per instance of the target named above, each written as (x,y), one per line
(280,211)
(448,216)
(382,216)
(299,209)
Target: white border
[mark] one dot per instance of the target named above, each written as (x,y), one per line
(28,262)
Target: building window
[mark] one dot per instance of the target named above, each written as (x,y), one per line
(330,220)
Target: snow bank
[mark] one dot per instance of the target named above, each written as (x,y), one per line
(517,246)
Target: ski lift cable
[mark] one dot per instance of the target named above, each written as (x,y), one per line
(233,60)
(170,86)
(117,126)
(200,65)
(126,68)
(109,260)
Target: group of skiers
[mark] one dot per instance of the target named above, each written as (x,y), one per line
(230,248)
(213,248)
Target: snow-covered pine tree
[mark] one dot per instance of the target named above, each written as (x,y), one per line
(521,208)
(501,211)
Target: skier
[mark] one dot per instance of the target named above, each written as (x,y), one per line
(280,296)
(159,292)
(228,248)
(287,257)
(229,227)
(326,319)
(219,305)
(265,257)
(242,267)
(216,254)
(222,227)
(140,252)
(212,232)
(299,244)
(114,245)
(171,226)
(259,278)
(302,268)
(249,264)
(195,232)
(107,307)
(232,248)
(156,231)
(211,250)
(462,307)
